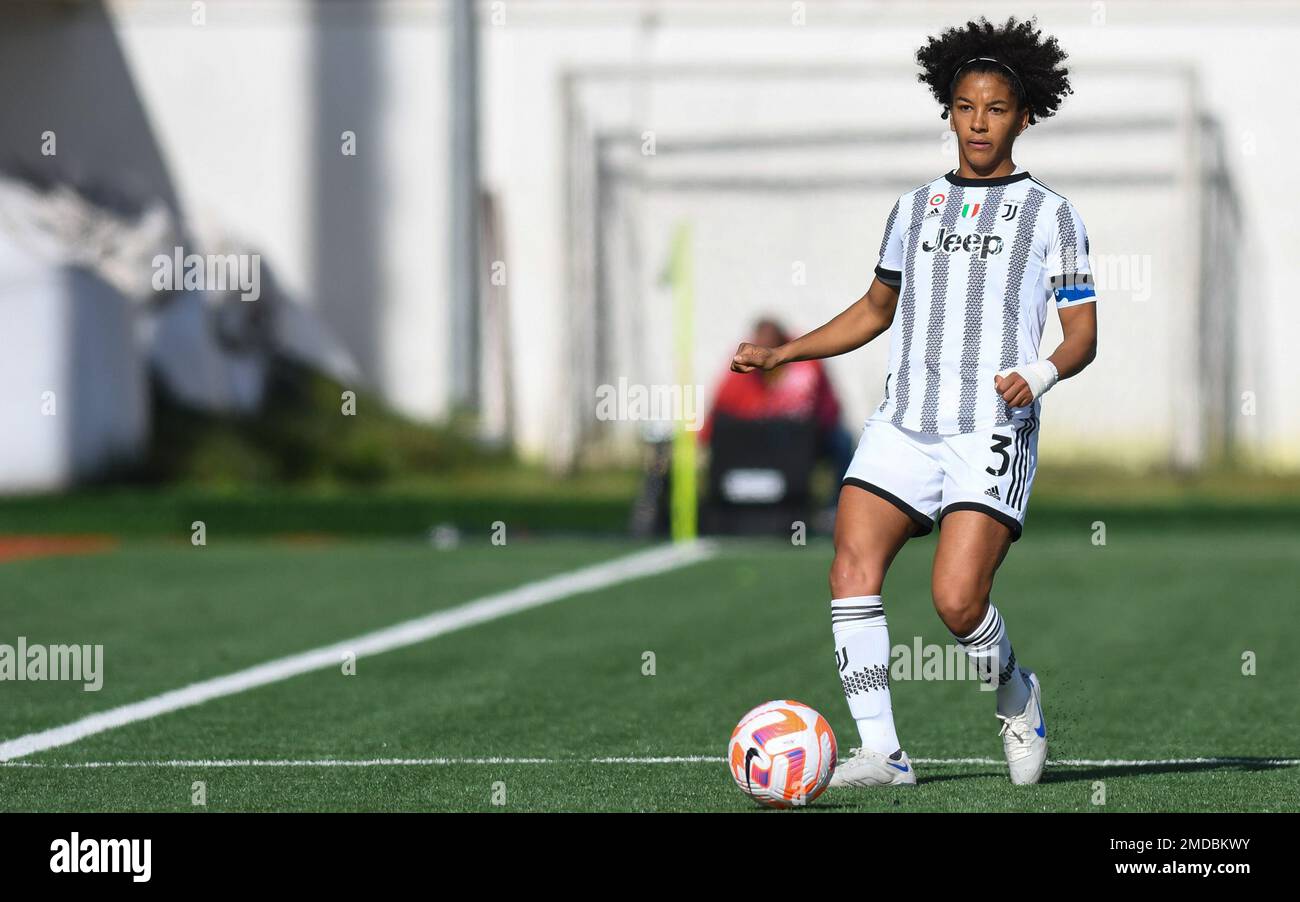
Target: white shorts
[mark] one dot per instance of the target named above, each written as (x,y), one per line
(928,476)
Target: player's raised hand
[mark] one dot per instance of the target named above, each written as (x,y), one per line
(750,357)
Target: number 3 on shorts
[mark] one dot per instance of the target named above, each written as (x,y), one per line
(999,447)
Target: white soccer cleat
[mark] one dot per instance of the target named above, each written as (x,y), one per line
(1024,737)
(864,767)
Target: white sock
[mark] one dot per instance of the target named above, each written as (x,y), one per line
(994,658)
(862,653)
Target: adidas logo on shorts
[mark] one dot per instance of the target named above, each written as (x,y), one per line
(993,493)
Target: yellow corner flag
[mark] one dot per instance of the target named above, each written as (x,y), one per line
(683,509)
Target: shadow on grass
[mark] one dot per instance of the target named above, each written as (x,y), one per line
(1079,773)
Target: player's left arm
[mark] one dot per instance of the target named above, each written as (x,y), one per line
(1077,349)
(1078,346)
(1070,283)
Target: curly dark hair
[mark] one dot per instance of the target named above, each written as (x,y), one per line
(1041,82)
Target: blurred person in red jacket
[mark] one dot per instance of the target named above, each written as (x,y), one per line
(797,390)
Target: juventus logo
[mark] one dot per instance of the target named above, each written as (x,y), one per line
(842,657)
(1009,211)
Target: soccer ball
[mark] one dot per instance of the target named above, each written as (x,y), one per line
(782,754)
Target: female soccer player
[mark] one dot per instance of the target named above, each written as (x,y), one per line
(968,265)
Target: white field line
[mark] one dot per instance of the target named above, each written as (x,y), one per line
(678,759)
(490,607)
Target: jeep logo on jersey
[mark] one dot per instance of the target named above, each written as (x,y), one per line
(975,243)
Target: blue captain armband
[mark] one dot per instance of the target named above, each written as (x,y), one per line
(1073,288)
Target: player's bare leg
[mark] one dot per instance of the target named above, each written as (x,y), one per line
(869,532)
(971,548)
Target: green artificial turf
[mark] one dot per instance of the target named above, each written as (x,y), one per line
(1138,644)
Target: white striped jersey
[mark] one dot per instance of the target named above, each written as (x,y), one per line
(976,262)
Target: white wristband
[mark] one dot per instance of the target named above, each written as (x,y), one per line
(1039,375)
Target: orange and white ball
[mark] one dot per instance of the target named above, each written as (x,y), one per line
(782,754)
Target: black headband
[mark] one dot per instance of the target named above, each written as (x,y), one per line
(1016,83)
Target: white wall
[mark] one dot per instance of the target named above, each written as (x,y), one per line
(75,399)
(236,104)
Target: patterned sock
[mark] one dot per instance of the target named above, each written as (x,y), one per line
(862,652)
(994,658)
